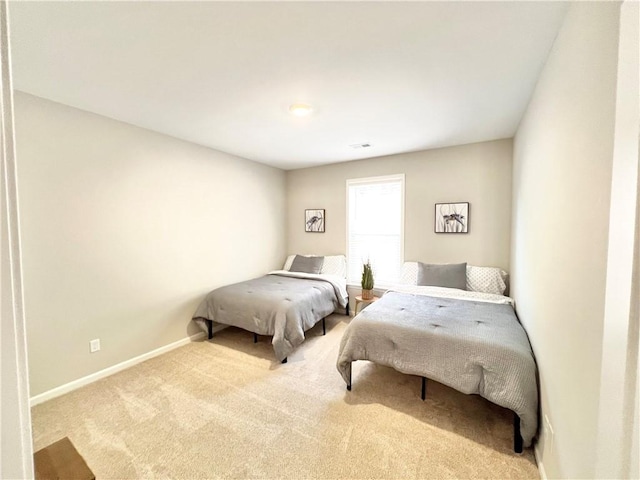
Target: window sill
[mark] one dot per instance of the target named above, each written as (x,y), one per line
(381,288)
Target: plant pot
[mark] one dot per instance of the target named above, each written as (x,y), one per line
(367,294)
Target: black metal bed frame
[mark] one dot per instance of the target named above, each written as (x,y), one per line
(517,437)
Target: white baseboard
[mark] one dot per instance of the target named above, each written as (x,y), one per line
(81,382)
(538,456)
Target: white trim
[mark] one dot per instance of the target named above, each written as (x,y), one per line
(16,443)
(81,382)
(377,289)
(538,455)
(620,341)
(380,179)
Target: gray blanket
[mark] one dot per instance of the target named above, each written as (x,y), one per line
(281,306)
(472,346)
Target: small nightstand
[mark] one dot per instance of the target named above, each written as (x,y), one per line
(359,300)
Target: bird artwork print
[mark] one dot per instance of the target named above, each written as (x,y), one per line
(452,217)
(314,221)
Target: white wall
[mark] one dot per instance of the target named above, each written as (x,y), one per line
(125,230)
(479,173)
(621,333)
(561,192)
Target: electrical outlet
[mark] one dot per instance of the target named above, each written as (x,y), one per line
(94,345)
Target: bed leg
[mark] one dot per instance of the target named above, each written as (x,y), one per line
(324,327)
(347,308)
(209,328)
(517,438)
(285,360)
(424,388)
(255,338)
(349,384)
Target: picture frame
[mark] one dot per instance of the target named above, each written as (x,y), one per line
(314,220)
(452,217)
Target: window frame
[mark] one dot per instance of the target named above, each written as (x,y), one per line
(368,181)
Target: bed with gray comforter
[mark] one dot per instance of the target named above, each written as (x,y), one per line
(471,342)
(281,304)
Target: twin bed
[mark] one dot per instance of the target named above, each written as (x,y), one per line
(465,336)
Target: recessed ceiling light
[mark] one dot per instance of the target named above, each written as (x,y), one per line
(300,109)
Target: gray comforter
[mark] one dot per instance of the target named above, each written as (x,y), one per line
(472,346)
(277,304)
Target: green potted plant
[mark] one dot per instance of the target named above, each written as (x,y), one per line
(367,281)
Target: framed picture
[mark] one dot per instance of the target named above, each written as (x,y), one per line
(314,221)
(452,217)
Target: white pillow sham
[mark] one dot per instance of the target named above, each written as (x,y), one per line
(288,262)
(333,265)
(479,279)
(486,279)
(409,273)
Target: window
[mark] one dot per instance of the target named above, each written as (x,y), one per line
(375,228)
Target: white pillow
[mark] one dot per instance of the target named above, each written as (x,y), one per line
(288,262)
(486,280)
(409,273)
(333,265)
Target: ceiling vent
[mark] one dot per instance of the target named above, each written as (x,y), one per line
(360,145)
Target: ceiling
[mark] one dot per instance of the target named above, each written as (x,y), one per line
(400,76)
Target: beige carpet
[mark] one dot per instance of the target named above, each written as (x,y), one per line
(226,409)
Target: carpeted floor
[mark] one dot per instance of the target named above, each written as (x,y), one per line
(225,409)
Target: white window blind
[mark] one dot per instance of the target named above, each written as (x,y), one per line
(375,228)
